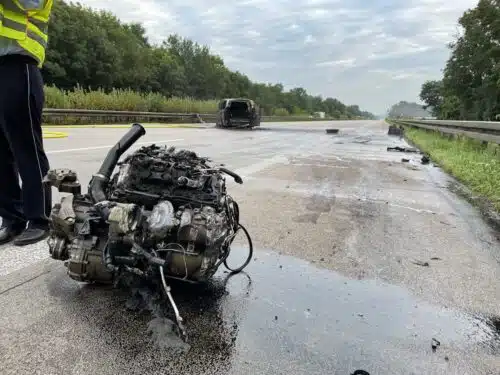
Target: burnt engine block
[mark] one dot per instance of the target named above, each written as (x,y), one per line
(171,202)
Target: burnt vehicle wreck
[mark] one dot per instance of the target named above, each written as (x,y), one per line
(165,214)
(237,113)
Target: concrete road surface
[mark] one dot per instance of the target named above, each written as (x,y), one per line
(361,261)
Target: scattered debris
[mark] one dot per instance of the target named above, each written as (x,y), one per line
(420,263)
(446,358)
(435,343)
(199,119)
(425,159)
(405,160)
(276,317)
(395,130)
(332,131)
(402,149)
(362,139)
(322,259)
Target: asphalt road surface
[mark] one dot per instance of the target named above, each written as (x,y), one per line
(361,261)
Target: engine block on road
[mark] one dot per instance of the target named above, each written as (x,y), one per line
(154,173)
(163,214)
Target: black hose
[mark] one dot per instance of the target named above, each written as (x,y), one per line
(250,252)
(97,185)
(151,259)
(234,175)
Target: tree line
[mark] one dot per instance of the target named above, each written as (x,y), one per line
(470,87)
(407,109)
(93,49)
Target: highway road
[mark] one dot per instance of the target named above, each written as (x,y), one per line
(361,261)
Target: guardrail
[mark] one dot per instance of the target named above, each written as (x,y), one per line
(486,131)
(54,115)
(82,114)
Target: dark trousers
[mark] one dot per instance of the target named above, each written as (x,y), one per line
(21,143)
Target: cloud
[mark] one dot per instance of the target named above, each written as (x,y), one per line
(373,54)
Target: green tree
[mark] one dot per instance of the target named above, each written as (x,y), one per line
(470,89)
(94,50)
(432,95)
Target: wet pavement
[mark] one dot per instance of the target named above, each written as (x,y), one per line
(360,262)
(281,316)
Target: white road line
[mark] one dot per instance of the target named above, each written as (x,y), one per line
(240,150)
(257,167)
(108,146)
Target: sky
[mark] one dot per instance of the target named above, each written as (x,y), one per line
(373,53)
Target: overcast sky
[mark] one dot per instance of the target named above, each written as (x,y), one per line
(373,53)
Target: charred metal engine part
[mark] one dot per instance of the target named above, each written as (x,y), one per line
(164,214)
(403,149)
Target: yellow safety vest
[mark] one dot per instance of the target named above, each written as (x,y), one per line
(29,28)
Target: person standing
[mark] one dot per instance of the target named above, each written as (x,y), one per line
(23,41)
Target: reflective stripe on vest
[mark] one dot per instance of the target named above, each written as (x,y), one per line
(28,28)
(13,25)
(42,26)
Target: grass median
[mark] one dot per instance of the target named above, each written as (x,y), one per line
(475,165)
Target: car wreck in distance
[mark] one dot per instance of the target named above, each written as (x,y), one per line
(237,113)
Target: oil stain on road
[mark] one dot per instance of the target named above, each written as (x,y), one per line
(283,316)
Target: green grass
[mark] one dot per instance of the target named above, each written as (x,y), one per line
(119,100)
(474,164)
(124,100)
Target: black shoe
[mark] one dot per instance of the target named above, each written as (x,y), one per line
(32,234)
(10,229)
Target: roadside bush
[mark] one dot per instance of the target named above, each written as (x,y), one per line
(280,112)
(124,100)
